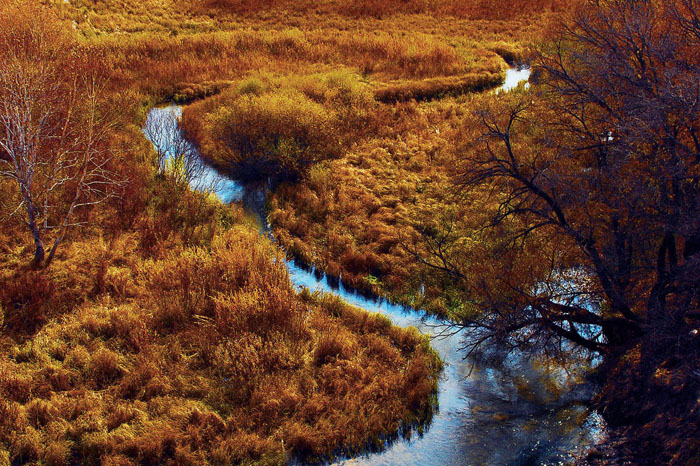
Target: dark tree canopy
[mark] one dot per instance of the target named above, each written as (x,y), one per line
(595,174)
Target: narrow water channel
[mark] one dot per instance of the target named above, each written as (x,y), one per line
(504,411)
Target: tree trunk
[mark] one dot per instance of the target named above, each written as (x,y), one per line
(620,333)
(52,253)
(31,222)
(39,247)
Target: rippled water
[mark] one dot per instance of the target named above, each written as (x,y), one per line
(490,413)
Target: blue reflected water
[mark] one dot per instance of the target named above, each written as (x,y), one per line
(496,412)
(162,130)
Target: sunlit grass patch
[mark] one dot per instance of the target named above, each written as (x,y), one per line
(210,357)
(280,127)
(436,88)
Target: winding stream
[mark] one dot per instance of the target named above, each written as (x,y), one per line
(492,413)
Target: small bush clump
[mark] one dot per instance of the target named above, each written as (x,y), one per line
(280,129)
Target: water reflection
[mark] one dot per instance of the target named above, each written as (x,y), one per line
(163,131)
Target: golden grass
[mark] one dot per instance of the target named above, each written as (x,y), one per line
(184,50)
(206,63)
(358,217)
(437,88)
(214,359)
(120,16)
(183,354)
(166,331)
(358,209)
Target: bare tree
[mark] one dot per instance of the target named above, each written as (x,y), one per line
(596,181)
(52,127)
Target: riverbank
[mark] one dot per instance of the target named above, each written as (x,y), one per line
(659,420)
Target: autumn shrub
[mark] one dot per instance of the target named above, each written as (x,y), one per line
(57,454)
(104,367)
(175,214)
(15,388)
(254,86)
(276,135)
(40,412)
(26,446)
(184,93)
(330,347)
(27,295)
(280,128)
(244,447)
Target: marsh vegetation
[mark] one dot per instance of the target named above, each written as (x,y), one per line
(146,322)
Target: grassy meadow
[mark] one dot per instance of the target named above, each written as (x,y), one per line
(166,330)
(546,219)
(199,355)
(162,47)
